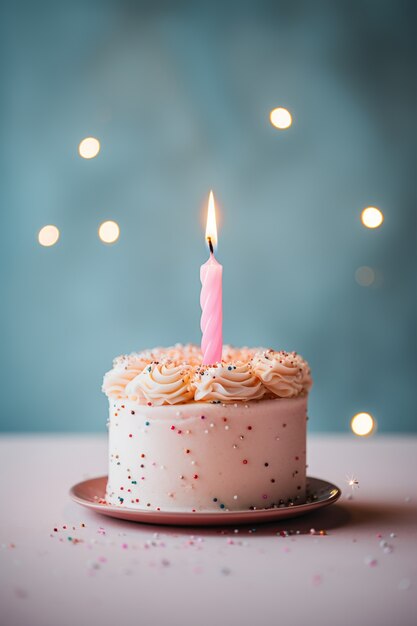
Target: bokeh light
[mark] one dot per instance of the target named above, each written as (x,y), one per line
(89,148)
(280,118)
(362,424)
(365,276)
(372,217)
(48,235)
(109,231)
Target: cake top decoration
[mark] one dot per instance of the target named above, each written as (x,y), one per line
(175,375)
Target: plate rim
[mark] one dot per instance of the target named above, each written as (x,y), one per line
(115,511)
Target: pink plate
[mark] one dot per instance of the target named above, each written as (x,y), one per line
(90,493)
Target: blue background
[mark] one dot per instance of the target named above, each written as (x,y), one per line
(179,95)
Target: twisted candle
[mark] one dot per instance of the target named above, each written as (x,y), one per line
(211,304)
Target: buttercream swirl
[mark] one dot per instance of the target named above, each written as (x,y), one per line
(285,374)
(227,382)
(174,375)
(162,382)
(125,369)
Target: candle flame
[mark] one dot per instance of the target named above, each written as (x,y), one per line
(211,227)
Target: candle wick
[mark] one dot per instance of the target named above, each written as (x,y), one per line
(210,245)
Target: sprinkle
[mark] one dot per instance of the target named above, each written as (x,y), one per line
(266,464)
(245,461)
(131,436)
(132,412)
(195,476)
(235,498)
(146,423)
(172,427)
(370,561)
(187,451)
(249,427)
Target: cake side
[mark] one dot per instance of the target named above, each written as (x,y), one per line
(205,456)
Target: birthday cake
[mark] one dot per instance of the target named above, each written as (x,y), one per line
(187,437)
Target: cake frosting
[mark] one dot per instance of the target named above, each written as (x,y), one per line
(285,374)
(175,376)
(187,437)
(227,382)
(162,382)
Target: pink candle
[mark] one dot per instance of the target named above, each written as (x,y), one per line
(211,296)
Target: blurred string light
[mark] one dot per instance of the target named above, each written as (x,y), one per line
(48,235)
(372,217)
(365,276)
(362,424)
(89,148)
(109,231)
(280,118)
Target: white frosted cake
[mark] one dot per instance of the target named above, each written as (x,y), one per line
(187,437)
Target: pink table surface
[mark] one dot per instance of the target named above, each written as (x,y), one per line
(113,572)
